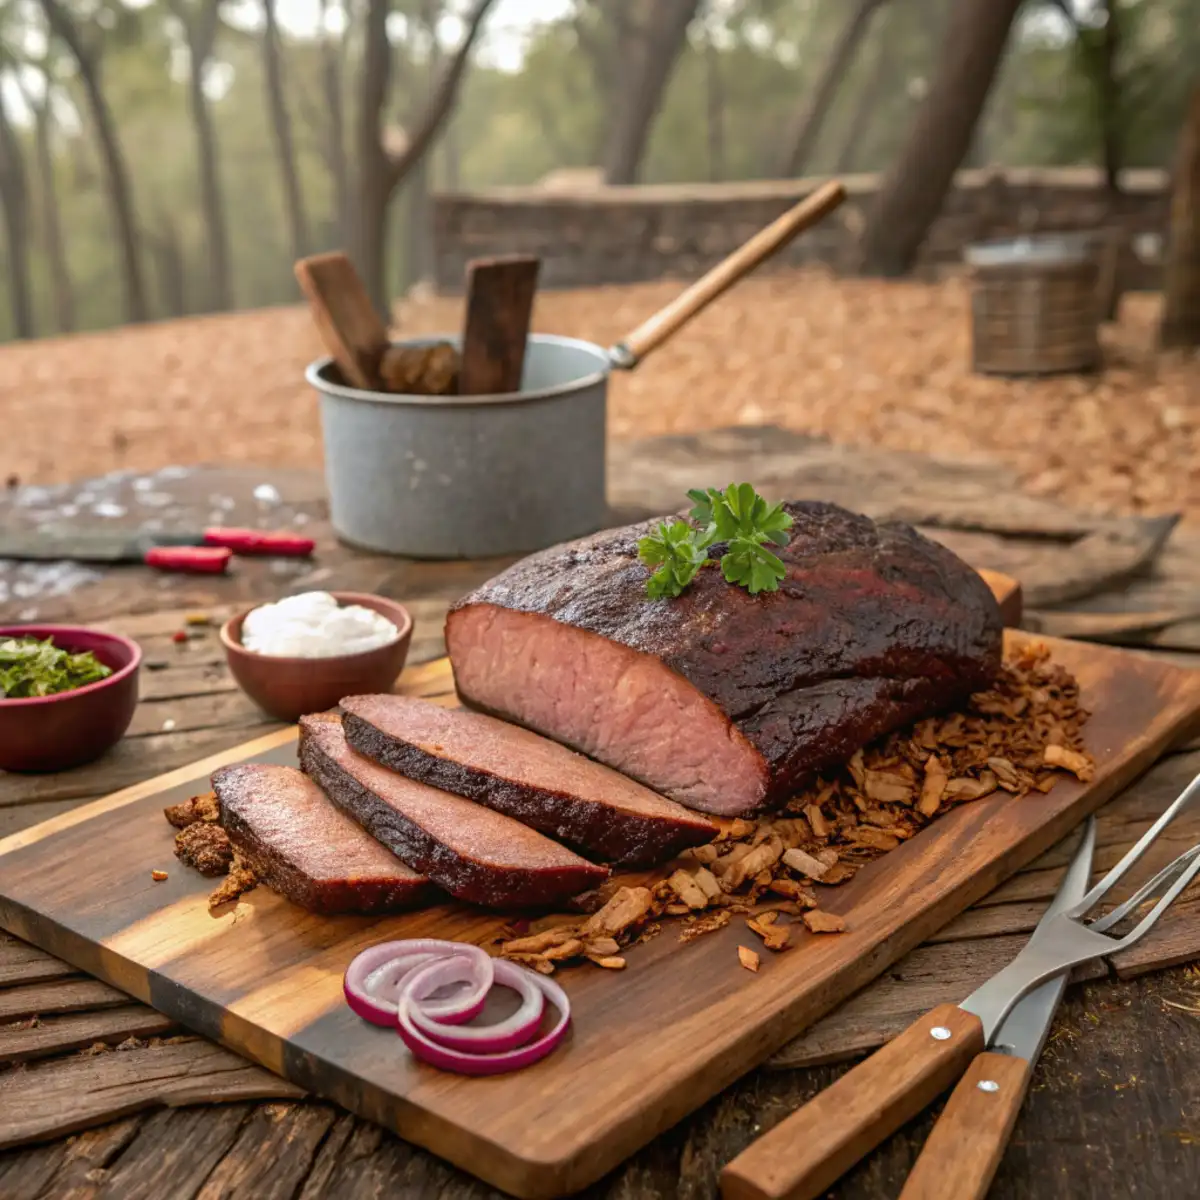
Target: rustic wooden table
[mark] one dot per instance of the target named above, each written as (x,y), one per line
(126,1104)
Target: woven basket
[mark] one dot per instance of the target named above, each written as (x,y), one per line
(1036,305)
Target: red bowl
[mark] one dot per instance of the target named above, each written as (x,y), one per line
(52,733)
(289,688)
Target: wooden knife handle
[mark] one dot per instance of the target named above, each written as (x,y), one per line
(968,1141)
(655,330)
(810,1150)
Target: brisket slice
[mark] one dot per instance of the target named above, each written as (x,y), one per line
(298,843)
(516,772)
(721,700)
(474,853)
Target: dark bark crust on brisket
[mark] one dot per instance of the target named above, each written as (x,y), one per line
(873,626)
(459,874)
(588,826)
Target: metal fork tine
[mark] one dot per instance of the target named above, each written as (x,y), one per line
(1106,884)
(1144,925)
(1148,889)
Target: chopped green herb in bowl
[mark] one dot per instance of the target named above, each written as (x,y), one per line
(32,667)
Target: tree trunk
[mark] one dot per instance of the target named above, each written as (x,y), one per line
(880,73)
(914,187)
(201,32)
(53,242)
(116,171)
(336,158)
(379,171)
(714,105)
(281,126)
(14,198)
(1109,98)
(642,91)
(1181,276)
(802,138)
(167,254)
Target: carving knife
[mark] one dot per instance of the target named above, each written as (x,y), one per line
(206,552)
(809,1151)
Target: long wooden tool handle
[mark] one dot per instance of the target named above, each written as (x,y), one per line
(967,1143)
(653,332)
(809,1151)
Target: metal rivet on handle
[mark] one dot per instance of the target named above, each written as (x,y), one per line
(988,1085)
(940,1032)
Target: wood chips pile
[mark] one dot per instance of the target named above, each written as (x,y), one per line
(1019,737)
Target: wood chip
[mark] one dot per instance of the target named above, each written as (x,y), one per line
(805,863)
(819,921)
(538,943)
(748,958)
(610,962)
(627,907)
(1078,764)
(688,890)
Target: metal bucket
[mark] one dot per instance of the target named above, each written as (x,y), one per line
(470,476)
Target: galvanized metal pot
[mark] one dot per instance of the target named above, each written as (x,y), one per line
(475,476)
(470,476)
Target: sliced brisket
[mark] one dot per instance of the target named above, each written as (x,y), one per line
(721,700)
(298,843)
(540,782)
(474,853)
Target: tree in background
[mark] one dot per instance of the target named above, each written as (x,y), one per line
(1181,283)
(281,128)
(914,188)
(644,72)
(200,20)
(801,139)
(14,198)
(381,168)
(85,51)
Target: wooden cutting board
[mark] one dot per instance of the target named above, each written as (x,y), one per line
(648,1045)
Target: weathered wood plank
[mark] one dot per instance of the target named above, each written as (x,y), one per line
(173,1153)
(24,1042)
(82,1172)
(61,1097)
(23,963)
(68,995)
(273,1153)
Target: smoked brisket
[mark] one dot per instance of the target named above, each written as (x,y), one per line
(303,847)
(472,852)
(724,701)
(531,778)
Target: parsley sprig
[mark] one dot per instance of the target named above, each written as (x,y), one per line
(739,517)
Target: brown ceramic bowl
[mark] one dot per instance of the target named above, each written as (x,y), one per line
(68,729)
(288,688)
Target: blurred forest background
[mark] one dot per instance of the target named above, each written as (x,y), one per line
(168,157)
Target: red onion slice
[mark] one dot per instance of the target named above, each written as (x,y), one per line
(374,978)
(470,1063)
(513,1031)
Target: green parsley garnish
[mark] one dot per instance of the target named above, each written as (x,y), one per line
(29,667)
(739,517)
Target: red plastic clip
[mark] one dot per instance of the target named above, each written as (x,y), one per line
(255,541)
(194,560)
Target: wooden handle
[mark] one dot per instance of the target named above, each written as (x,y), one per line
(968,1141)
(810,1150)
(652,333)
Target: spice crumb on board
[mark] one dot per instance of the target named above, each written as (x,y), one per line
(158,876)
(1018,737)
(239,880)
(748,958)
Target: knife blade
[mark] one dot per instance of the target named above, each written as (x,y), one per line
(205,551)
(960,1157)
(807,1152)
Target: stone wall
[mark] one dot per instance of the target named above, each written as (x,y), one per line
(599,235)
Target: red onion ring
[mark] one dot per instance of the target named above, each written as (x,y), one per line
(437,1054)
(374,978)
(513,1031)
